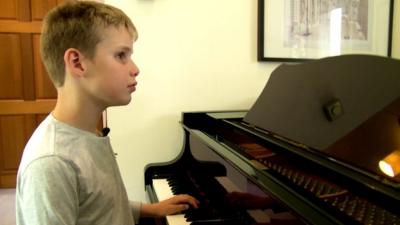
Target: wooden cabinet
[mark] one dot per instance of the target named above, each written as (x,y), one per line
(26,93)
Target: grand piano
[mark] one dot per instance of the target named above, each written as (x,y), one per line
(321,145)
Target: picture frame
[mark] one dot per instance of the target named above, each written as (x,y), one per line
(303,30)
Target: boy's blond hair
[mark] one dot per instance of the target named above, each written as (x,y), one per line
(77,24)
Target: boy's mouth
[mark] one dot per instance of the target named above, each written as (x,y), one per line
(132,87)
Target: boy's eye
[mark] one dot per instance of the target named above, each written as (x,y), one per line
(121,56)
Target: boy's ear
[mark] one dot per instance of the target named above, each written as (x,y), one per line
(73,60)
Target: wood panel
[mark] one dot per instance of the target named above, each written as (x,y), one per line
(27,68)
(14,133)
(44,87)
(40,7)
(12,26)
(16,107)
(23,10)
(10,67)
(40,118)
(8,9)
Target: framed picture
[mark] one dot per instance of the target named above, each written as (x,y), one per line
(300,30)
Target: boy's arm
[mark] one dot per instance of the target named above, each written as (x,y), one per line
(47,193)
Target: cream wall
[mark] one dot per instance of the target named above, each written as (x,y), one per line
(193,55)
(396,30)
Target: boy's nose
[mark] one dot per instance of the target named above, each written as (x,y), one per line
(134,71)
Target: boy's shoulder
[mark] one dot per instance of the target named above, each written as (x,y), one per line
(41,143)
(53,138)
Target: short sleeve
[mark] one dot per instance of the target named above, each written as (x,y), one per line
(136,206)
(47,193)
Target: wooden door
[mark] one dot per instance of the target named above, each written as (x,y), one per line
(26,93)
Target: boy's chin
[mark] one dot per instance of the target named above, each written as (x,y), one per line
(120,102)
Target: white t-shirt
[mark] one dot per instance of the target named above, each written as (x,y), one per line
(70,176)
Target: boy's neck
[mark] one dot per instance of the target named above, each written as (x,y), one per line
(77,113)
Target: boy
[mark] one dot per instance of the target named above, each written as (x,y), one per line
(68,173)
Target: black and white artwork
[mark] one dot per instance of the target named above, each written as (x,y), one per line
(308,29)
(312,21)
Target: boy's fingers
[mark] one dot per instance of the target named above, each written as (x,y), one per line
(178,208)
(189,199)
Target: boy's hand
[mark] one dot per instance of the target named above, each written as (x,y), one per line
(173,205)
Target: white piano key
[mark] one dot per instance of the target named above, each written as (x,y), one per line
(162,189)
(177,220)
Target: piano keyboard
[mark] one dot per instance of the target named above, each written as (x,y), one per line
(209,212)
(164,191)
(165,188)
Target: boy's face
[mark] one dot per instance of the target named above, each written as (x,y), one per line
(111,74)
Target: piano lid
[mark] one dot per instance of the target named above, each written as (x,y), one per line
(346,106)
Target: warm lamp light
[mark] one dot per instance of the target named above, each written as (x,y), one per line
(390,165)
